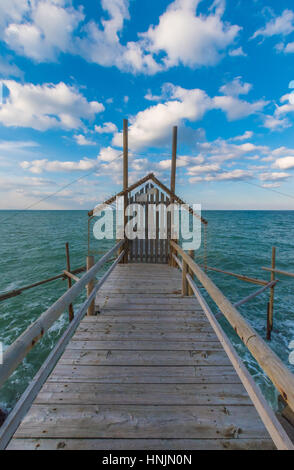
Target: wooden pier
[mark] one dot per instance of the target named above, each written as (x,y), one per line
(144,362)
(148,372)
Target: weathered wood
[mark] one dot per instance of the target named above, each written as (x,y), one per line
(70,307)
(279,271)
(278,434)
(143,394)
(132,345)
(144,358)
(272,292)
(144,374)
(241,277)
(90,285)
(148,367)
(135,421)
(142,444)
(16,352)
(281,377)
(15,292)
(71,276)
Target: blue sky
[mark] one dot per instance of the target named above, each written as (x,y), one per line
(220,70)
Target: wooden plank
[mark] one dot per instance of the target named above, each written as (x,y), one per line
(143,316)
(278,271)
(147,345)
(133,328)
(141,444)
(135,421)
(143,336)
(144,358)
(144,374)
(140,394)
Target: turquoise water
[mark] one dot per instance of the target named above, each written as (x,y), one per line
(32,248)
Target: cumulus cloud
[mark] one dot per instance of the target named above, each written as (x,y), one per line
(107,128)
(46,106)
(234,175)
(274,176)
(42,29)
(236,87)
(284,163)
(39,166)
(189,38)
(238,52)
(247,135)
(82,140)
(279,25)
(153,125)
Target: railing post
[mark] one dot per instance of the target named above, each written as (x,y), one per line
(272,291)
(184,279)
(90,286)
(190,290)
(70,307)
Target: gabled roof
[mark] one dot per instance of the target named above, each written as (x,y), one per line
(150,177)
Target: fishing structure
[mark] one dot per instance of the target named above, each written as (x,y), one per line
(144,362)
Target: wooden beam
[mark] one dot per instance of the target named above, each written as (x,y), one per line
(70,307)
(90,285)
(272,365)
(15,292)
(174,161)
(71,276)
(276,431)
(272,291)
(278,271)
(241,277)
(18,350)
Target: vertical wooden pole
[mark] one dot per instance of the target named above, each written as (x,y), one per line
(184,279)
(268,328)
(125,178)
(173,179)
(70,308)
(192,255)
(174,160)
(90,286)
(272,291)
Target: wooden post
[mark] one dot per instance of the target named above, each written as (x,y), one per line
(268,329)
(184,279)
(173,180)
(272,291)
(90,286)
(69,284)
(190,290)
(125,179)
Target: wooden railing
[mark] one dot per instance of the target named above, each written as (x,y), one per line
(18,350)
(278,373)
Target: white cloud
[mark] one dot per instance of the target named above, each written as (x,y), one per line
(274,123)
(153,125)
(237,52)
(197,169)
(236,108)
(82,140)
(39,166)
(109,154)
(45,30)
(280,25)
(289,49)
(234,175)
(189,38)
(42,29)
(8,69)
(284,163)
(46,106)
(274,176)
(236,87)
(247,135)
(107,128)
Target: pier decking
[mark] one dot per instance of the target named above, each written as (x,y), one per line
(147,372)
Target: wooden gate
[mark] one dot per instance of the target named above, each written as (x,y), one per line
(151,247)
